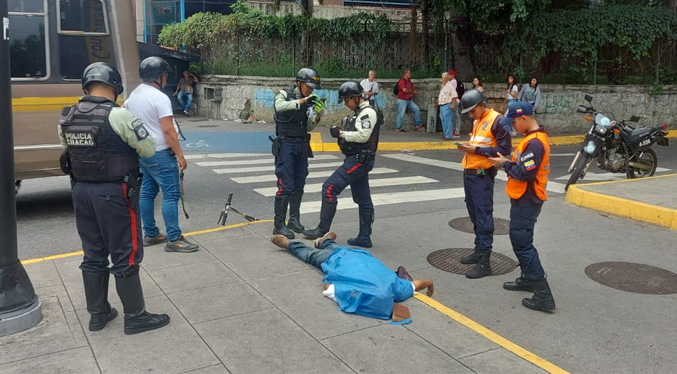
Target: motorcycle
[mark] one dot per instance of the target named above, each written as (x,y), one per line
(616,146)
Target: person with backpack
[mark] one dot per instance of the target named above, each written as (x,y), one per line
(460,90)
(405,91)
(358,140)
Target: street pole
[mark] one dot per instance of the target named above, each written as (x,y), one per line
(20,308)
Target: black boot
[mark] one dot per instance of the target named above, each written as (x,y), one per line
(364,237)
(327,214)
(471,258)
(136,318)
(542,299)
(483,267)
(96,294)
(520,284)
(294,212)
(281,203)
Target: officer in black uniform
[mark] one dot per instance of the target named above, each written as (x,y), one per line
(102,145)
(358,140)
(297,112)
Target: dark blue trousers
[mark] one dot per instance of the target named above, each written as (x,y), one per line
(108,224)
(291,167)
(353,173)
(523,215)
(479,199)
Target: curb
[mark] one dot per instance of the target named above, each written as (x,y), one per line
(617,206)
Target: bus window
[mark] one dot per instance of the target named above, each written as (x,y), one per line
(84,33)
(27,41)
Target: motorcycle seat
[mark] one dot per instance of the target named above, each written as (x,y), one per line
(637,134)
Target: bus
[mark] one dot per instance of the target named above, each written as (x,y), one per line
(51,42)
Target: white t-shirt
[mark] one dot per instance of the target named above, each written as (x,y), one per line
(513,90)
(150,104)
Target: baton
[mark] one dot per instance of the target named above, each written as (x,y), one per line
(224,212)
(183,204)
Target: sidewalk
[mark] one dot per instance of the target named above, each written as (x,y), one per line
(242,305)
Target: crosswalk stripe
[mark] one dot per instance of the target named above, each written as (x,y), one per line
(258,161)
(317,174)
(226,155)
(382,182)
(552,186)
(390,198)
(271,168)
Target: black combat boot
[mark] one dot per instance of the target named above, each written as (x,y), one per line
(364,237)
(136,318)
(96,294)
(326,217)
(281,203)
(471,258)
(520,284)
(294,222)
(483,267)
(542,299)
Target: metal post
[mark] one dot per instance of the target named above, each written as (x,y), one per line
(20,308)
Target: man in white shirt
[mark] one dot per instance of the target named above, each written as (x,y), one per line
(161,171)
(370,87)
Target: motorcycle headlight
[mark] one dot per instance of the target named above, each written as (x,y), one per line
(590,147)
(601,129)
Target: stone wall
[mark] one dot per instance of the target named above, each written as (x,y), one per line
(245,97)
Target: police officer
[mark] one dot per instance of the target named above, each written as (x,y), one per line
(102,145)
(527,181)
(358,141)
(487,139)
(297,112)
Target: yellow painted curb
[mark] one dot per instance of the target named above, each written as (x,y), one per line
(656,215)
(501,341)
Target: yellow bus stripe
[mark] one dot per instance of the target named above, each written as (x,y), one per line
(42,104)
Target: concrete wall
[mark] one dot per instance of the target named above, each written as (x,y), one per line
(331,11)
(245,97)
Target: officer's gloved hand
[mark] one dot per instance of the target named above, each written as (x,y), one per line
(311,100)
(334,131)
(318,107)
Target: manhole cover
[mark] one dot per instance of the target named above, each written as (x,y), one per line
(631,277)
(449,260)
(501,226)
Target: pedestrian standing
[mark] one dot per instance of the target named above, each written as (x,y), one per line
(527,181)
(102,144)
(358,141)
(487,139)
(405,101)
(446,101)
(184,90)
(161,171)
(531,93)
(460,91)
(370,87)
(297,112)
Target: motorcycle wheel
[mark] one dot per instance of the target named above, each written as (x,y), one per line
(648,157)
(578,169)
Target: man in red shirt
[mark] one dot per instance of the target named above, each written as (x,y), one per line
(405,95)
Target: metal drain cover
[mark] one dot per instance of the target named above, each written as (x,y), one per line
(449,260)
(632,277)
(501,226)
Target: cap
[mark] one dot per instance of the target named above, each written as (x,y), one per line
(517,109)
(452,72)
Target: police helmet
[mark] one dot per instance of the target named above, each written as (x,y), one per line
(153,67)
(104,73)
(349,89)
(470,100)
(309,77)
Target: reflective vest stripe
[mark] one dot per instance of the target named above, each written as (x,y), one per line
(516,189)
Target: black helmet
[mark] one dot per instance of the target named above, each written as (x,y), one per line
(349,89)
(104,73)
(310,77)
(470,100)
(151,68)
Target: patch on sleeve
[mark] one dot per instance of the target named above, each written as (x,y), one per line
(366,124)
(366,116)
(530,165)
(526,157)
(139,129)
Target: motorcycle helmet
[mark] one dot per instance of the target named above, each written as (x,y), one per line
(310,77)
(349,89)
(153,67)
(104,73)
(471,99)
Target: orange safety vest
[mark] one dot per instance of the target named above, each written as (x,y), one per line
(481,136)
(515,189)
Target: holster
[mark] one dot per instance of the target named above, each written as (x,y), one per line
(133,183)
(365,156)
(65,162)
(275,150)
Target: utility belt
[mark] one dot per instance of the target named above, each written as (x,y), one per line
(364,156)
(294,139)
(491,172)
(278,140)
(133,183)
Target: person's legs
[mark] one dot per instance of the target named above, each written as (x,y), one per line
(483,203)
(310,255)
(149,189)
(457,120)
(401,108)
(445,117)
(414,109)
(167,177)
(296,196)
(523,216)
(284,171)
(189,101)
(181,98)
(362,197)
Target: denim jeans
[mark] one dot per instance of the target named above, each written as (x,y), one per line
(185,99)
(456,122)
(447,118)
(313,256)
(160,172)
(410,105)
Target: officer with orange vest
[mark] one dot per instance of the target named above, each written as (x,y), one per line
(487,139)
(527,181)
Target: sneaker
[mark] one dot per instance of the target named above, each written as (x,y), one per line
(181,245)
(153,240)
(186,112)
(400,130)
(318,242)
(455,136)
(420,128)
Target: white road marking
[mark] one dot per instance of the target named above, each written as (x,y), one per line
(383,182)
(271,168)
(318,174)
